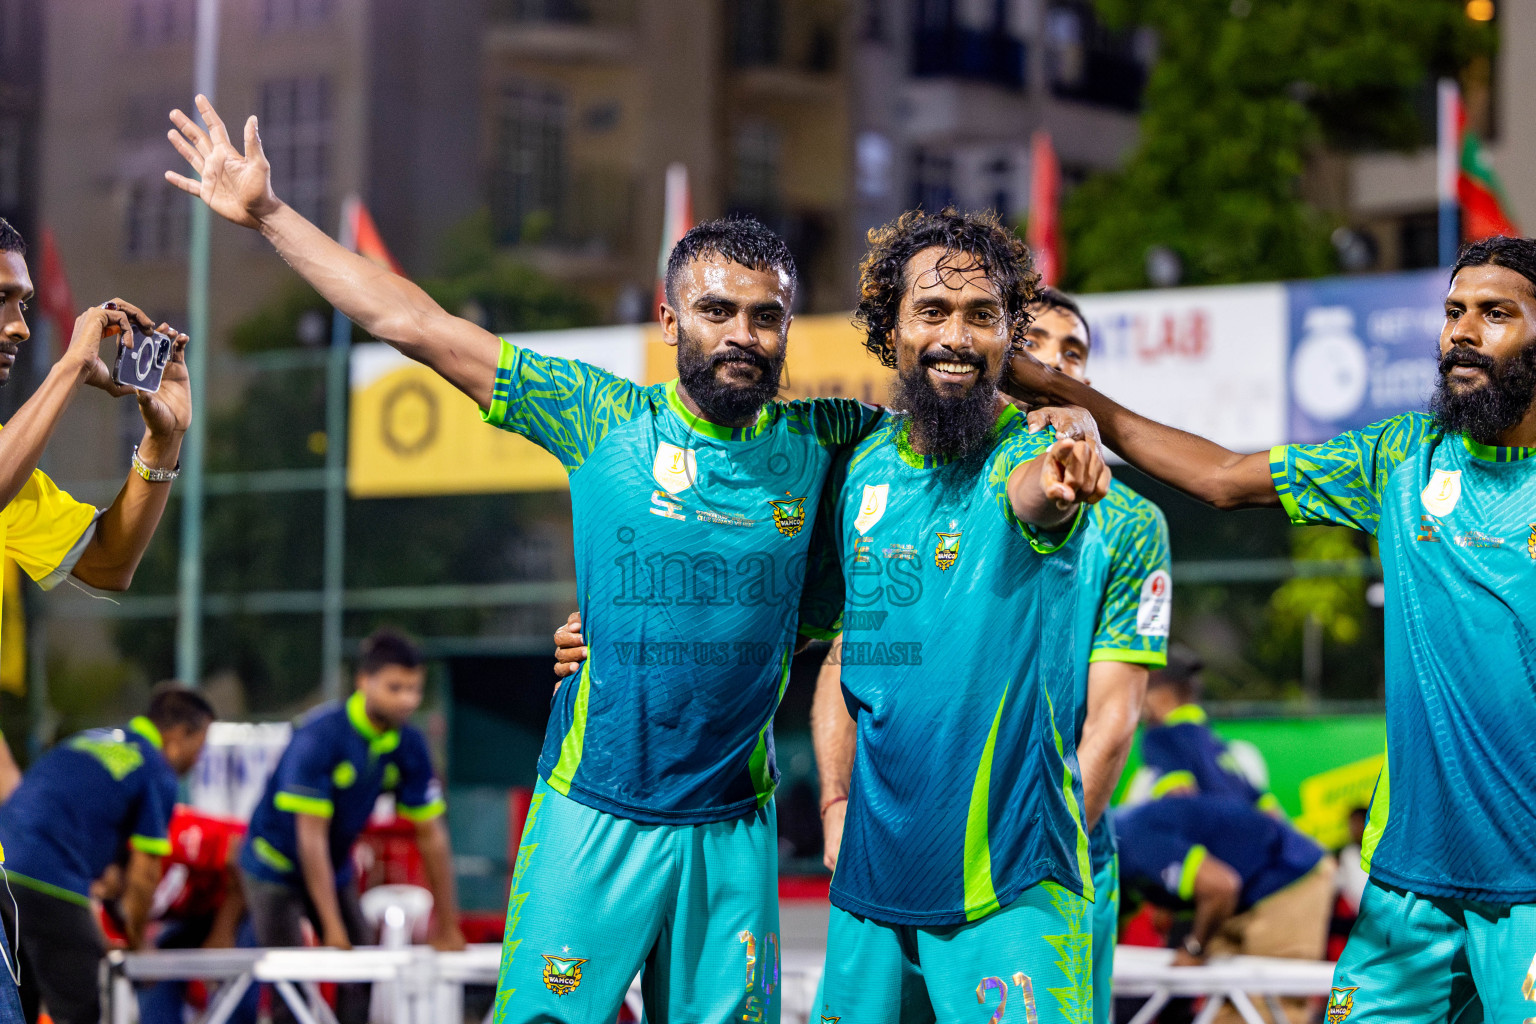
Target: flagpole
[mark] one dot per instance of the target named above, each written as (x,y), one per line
(1447,162)
(335,563)
(189,624)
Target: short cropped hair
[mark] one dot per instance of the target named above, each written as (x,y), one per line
(172,704)
(1055,298)
(10,239)
(1000,254)
(1517,254)
(387,647)
(742,240)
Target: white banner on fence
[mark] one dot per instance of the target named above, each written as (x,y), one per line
(1207,360)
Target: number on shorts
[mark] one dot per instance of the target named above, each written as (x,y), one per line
(1026,987)
(764,976)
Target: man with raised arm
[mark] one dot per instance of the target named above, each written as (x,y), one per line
(650,842)
(1447,927)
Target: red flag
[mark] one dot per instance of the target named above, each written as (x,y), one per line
(1484,206)
(53,296)
(360,234)
(676,220)
(1044,233)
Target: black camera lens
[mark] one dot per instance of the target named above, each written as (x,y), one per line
(162,350)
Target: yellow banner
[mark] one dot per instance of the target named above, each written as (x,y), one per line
(411,433)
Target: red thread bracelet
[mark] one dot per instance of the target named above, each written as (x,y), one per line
(828,805)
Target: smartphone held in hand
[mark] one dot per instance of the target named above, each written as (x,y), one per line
(143,365)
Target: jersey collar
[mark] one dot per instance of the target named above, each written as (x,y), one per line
(917,460)
(144,727)
(699,425)
(378,742)
(1493,453)
(1187,714)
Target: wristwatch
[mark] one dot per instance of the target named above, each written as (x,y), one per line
(1193,946)
(151,475)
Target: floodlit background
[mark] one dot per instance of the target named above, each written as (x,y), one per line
(1260,163)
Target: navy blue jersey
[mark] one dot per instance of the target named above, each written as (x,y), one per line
(335,767)
(83,804)
(691,543)
(1163,842)
(965,786)
(1183,753)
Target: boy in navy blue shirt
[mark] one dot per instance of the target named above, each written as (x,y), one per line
(87,799)
(297,858)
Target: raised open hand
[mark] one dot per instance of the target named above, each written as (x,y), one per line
(236,186)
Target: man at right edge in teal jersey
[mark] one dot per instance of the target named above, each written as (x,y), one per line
(1447,927)
(963,877)
(650,845)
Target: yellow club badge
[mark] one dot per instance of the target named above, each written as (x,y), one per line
(562,974)
(1442,492)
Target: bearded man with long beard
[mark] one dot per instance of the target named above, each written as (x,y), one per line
(1447,927)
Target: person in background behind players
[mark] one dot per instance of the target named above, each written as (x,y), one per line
(297,859)
(1179,751)
(82,802)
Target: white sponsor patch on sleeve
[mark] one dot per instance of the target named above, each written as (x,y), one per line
(1155,612)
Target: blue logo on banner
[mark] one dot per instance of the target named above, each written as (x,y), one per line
(1362,349)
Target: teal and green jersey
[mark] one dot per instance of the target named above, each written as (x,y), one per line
(1456,522)
(1124,604)
(959,661)
(691,543)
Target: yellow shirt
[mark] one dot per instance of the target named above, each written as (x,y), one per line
(45,530)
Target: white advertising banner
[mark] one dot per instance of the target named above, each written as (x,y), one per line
(1207,360)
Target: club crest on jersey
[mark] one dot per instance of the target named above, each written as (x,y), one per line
(562,974)
(788,515)
(1530,543)
(871,506)
(1442,492)
(947,550)
(1341,1003)
(674,468)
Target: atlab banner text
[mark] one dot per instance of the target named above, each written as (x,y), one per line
(1362,349)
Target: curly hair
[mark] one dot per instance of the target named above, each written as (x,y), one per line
(999,254)
(742,240)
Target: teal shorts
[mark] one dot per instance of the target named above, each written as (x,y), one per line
(597,899)
(1029,962)
(1424,958)
(1106,923)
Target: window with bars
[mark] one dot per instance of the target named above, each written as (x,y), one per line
(295,118)
(756,150)
(159,22)
(529,162)
(933,180)
(283,15)
(157,225)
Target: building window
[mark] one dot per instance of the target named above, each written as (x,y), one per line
(933,180)
(160,22)
(11,29)
(1087,62)
(282,15)
(157,220)
(757,33)
(756,151)
(529,163)
(967,39)
(295,127)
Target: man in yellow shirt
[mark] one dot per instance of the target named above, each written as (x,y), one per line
(51,535)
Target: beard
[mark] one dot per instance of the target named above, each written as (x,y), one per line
(949,427)
(1484,412)
(723,402)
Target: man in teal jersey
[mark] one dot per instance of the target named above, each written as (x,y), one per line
(963,875)
(650,843)
(1122,631)
(1447,927)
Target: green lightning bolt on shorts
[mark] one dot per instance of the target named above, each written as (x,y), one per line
(1029,962)
(1106,915)
(1421,958)
(597,898)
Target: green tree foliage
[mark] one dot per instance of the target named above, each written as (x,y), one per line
(273,541)
(1240,98)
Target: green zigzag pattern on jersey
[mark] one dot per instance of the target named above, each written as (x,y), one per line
(515,902)
(564,405)
(1341,481)
(1074,956)
(1137,535)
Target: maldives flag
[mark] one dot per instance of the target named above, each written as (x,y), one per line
(676,220)
(360,234)
(1044,231)
(54,298)
(1484,207)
